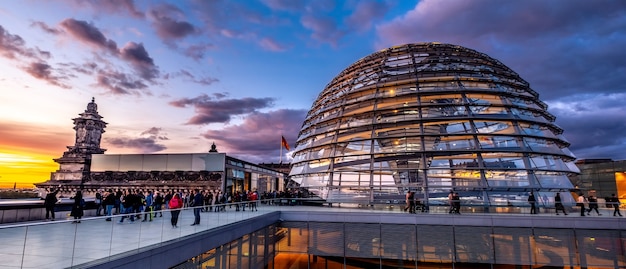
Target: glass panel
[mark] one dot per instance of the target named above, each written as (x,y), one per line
(513,246)
(600,249)
(473,244)
(554,247)
(435,244)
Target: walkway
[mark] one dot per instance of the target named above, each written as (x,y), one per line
(63,244)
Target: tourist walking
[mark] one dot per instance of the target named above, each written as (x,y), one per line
(128,201)
(456,203)
(197,204)
(410,202)
(451,202)
(175,204)
(558,205)
(78,207)
(109,203)
(533,203)
(49,203)
(581,203)
(593,205)
(615,202)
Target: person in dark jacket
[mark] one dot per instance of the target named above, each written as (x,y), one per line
(49,203)
(198,202)
(78,207)
(109,203)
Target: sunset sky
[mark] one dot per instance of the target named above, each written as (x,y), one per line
(177,76)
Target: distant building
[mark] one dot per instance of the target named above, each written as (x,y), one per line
(604,177)
(84,166)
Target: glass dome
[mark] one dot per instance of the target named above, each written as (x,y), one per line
(431,117)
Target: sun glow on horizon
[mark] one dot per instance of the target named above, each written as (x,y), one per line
(24,169)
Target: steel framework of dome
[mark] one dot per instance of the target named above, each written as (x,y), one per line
(431,117)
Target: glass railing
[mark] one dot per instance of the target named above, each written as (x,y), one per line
(66,244)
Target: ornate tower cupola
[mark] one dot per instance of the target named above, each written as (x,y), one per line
(76,161)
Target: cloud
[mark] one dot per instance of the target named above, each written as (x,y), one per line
(365,13)
(142,144)
(87,33)
(139,59)
(590,137)
(119,83)
(37,138)
(12,46)
(284,5)
(197,51)
(43,26)
(257,139)
(271,45)
(167,26)
(109,7)
(216,110)
(155,133)
(43,71)
(324,28)
(192,78)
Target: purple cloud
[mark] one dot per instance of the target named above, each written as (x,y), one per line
(167,26)
(257,139)
(43,26)
(138,57)
(12,46)
(43,71)
(365,13)
(142,145)
(155,133)
(88,34)
(215,110)
(192,78)
(121,7)
(271,45)
(324,28)
(119,83)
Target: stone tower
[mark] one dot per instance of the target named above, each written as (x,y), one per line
(76,161)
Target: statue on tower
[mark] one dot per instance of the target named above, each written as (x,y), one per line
(75,163)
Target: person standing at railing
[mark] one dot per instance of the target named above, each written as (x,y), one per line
(175,204)
(456,203)
(558,205)
(581,203)
(78,206)
(533,203)
(253,197)
(49,203)
(197,204)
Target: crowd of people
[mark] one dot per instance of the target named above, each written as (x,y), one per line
(146,205)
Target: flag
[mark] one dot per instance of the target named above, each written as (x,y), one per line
(284,143)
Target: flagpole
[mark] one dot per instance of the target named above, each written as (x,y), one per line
(281,149)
